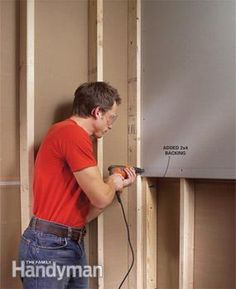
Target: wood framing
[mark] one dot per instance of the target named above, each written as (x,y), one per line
(27,21)
(150,233)
(135,195)
(96,228)
(186,234)
(100,220)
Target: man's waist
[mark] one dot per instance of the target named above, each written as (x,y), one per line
(59,230)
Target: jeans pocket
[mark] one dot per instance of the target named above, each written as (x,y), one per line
(50,242)
(25,239)
(80,249)
(24,252)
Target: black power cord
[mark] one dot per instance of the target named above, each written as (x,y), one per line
(137,171)
(129,240)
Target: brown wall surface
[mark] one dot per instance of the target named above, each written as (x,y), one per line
(115,142)
(10,221)
(10,231)
(214,265)
(61,59)
(9,114)
(168,234)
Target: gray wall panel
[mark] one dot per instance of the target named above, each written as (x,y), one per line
(188,88)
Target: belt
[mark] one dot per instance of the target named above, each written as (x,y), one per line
(76,234)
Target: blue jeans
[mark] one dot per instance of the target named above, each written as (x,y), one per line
(50,262)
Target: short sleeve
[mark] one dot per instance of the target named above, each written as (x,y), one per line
(77,149)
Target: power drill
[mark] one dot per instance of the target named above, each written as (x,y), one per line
(119,169)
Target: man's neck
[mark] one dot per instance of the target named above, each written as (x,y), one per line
(85,123)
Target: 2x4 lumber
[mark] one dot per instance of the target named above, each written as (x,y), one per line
(100,237)
(27,19)
(150,233)
(140,195)
(135,196)
(96,228)
(186,257)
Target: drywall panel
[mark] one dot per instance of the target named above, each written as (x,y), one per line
(9,114)
(214,265)
(115,142)
(168,203)
(61,59)
(10,229)
(188,88)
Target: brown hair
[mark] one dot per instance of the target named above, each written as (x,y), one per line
(94,94)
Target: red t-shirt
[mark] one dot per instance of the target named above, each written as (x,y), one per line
(58,197)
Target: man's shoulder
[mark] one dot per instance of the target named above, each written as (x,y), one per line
(68,129)
(66,126)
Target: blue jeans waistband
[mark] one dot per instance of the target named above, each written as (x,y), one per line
(59,230)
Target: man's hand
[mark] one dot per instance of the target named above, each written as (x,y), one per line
(120,182)
(117,180)
(131,177)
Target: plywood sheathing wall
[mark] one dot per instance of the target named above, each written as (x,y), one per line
(168,204)
(9,91)
(10,220)
(215,249)
(61,59)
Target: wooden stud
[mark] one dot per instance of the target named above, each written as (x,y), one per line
(186,234)
(92,76)
(139,187)
(96,227)
(27,19)
(132,131)
(100,220)
(149,189)
(135,194)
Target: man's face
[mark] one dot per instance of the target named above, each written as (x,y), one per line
(105,121)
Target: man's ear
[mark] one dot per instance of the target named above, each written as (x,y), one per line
(96,112)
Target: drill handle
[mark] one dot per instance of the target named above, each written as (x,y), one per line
(121,168)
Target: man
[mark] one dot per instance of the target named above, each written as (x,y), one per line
(68,188)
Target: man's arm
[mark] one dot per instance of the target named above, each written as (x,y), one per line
(93,213)
(102,193)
